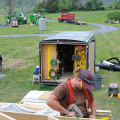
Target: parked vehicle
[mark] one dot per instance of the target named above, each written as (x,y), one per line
(0,62)
(19,16)
(66,17)
(14,22)
(34,19)
(59,55)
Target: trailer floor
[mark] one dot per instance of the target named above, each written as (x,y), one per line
(66,76)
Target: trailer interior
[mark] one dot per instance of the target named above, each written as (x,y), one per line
(59,62)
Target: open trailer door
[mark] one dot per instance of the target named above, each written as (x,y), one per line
(56,53)
(91,59)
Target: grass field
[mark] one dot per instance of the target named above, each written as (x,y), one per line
(20,56)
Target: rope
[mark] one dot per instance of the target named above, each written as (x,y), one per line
(53,62)
(52,76)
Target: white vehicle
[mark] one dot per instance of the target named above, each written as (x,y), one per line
(14,22)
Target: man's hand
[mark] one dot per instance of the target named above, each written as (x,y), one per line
(72,113)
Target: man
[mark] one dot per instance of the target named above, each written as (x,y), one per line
(76,90)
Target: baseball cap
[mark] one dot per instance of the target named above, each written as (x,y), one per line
(87,77)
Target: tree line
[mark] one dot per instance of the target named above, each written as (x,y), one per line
(68,5)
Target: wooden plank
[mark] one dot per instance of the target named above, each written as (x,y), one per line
(35,96)
(44,61)
(102,112)
(91,57)
(32,116)
(52,118)
(45,95)
(5,117)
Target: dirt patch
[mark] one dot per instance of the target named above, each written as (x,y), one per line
(10,63)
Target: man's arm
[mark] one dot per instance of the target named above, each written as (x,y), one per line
(93,108)
(53,102)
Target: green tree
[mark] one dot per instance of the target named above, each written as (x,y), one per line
(114,16)
(94,4)
(65,5)
(88,5)
(116,4)
(52,6)
(41,7)
(101,5)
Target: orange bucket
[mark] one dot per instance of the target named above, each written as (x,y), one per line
(118,95)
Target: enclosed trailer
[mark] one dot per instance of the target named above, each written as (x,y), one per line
(59,55)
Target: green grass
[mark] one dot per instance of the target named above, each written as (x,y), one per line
(20,56)
(50,27)
(107,46)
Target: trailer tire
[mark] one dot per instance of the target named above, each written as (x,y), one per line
(59,21)
(65,21)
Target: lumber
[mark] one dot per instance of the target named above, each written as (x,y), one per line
(5,117)
(42,107)
(52,118)
(33,116)
(102,112)
(45,95)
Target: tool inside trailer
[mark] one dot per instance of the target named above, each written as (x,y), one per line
(60,61)
(64,56)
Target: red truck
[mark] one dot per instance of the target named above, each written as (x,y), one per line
(66,17)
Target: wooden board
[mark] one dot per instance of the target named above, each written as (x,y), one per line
(5,117)
(44,61)
(91,57)
(40,107)
(32,116)
(45,95)
(52,118)
(35,96)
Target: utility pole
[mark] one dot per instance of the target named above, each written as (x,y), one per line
(11,8)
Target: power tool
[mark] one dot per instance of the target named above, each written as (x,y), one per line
(73,108)
(113,89)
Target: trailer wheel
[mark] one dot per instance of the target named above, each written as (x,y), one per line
(65,21)
(59,21)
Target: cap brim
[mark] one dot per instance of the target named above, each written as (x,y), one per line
(88,86)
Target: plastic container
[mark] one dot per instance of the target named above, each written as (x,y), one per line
(42,24)
(98,81)
(37,68)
